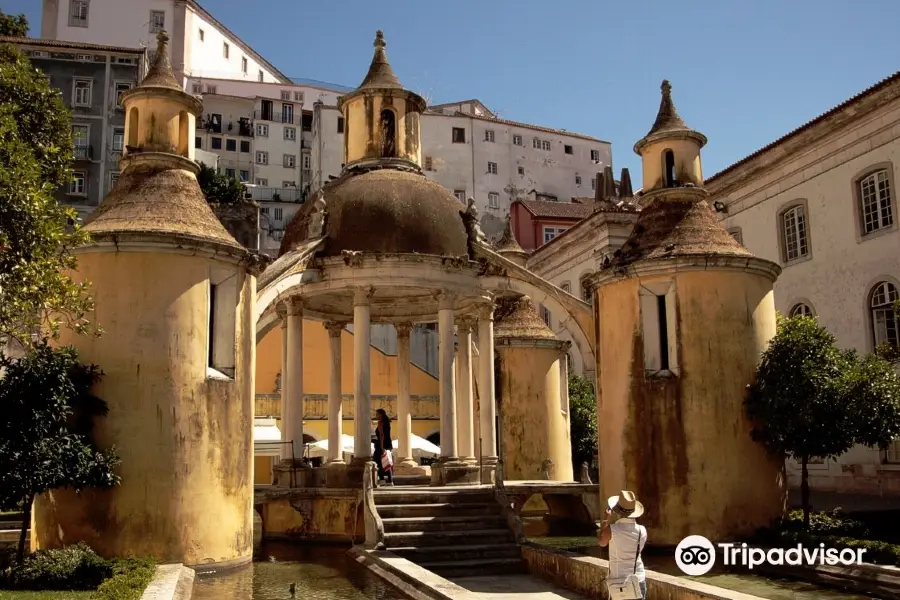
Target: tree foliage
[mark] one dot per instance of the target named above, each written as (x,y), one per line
(811,400)
(37,234)
(582,421)
(13,25)
(219,188)
(45,434)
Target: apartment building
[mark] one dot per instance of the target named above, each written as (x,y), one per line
(90,78)
(201,45)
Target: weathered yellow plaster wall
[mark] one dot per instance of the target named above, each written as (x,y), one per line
(364,138)
(688,166)
(313,518)
(153,123)
(532,426)
(262,469)
(683,444)
(185,440)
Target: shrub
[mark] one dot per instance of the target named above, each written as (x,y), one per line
(881,553)
(72,568)
(130,577)
(824,523)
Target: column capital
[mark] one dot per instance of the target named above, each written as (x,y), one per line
(294,306)
(446,300)
(403,328)
(486,312)
(362,295)
(335,328)
(281,310)
(465,323)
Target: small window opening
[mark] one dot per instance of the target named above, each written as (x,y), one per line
(388,134)
(663,333)
(212,323)
(670,168)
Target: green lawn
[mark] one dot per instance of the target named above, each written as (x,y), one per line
(46,595)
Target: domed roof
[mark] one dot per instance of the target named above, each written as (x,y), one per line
(387,211)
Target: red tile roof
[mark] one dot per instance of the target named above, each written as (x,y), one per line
(557,210)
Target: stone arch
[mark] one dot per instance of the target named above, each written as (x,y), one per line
(133,126)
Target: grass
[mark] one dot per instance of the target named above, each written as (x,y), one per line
(565,543)
(7,595)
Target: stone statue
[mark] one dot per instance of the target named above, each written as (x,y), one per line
(473,227)
(585,473)
(547,468)
(317,218)
(278,382)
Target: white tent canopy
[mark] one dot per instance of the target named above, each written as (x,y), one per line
(266,438)
(420,447)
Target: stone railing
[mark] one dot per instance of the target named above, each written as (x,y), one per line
(509,512)
(373,524)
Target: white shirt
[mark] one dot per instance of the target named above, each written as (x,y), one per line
(622,548)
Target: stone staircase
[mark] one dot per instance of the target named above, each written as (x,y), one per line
(453,532)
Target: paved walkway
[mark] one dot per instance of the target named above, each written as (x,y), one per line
(514,587)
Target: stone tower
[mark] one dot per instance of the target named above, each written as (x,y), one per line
(175,294)
(683,314)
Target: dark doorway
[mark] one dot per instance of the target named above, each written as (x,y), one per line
(388,134)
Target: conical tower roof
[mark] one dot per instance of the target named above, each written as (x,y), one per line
(160,73)
(380,75)
(507,244)
(668,121)
(519,318)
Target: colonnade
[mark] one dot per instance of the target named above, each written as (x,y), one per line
(455,373)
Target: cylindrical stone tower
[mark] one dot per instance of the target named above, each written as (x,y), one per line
(533,395)
(175,295)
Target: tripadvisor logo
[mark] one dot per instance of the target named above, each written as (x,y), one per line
(695,555)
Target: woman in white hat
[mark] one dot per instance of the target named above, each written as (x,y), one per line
(626,539)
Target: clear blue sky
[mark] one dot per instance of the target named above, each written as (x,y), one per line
(744,72)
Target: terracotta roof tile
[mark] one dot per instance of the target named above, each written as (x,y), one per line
(557,210)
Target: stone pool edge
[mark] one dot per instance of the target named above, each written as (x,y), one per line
(171,582)
(408,577)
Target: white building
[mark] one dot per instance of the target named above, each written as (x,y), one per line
(822,202)
(201,45)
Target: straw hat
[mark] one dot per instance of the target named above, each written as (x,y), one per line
(628,503)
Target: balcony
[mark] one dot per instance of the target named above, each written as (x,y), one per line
(276,117)
(84,152)
(273,194)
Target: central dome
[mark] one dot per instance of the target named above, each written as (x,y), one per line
(385,211)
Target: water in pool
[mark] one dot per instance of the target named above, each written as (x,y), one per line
(317,572)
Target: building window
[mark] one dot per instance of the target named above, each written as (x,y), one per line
(290,134)
(595,156)
(231,145)
(578,180)
(492,168)
(78,13)
(157,21)
(215,143)
(262,76)
(657,301)
(287,184)
(81,92)
(197,88)
(245,176)
(892,452)
(298,96)
(306,161)
(262,182)
(459,135)
(290,161)
(245,146)
(737,235)
(586,293)
(795,236)
(229,173)
(118,141)
(285,94)
(884,318)
(545,316)
(121,87)
(245,66)
(517,140)
(566,287)
(225,49)
(550,233)
(593,184)
(262,130)
(198,142)
(460,195)
(429,163)
(306,120)
(568,149)
(279,214)
(340,125)
(489,135)
(201,34)
(223,299)
(210,89)
(545,145)
(113,179)
(262,157)
(875,202)
(801,309)
(493,200)
(78,187)
(522,171)
(81,137)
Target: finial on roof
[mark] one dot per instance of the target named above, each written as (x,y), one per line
(507,242)
(598,188)
(609,185)
(626,192)
(667,119)
(160,72)
(666,87)
(380,74)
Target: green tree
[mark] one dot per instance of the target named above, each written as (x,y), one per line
(37,234)
(219,188)
(811,400)
(582,421)
(45,434)
(13,25)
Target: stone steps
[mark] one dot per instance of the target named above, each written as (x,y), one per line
(438,509)
(476,567)
(395,495)
(468,537)
(456,523)
(432,554)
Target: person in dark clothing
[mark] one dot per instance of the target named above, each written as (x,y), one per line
(382,443)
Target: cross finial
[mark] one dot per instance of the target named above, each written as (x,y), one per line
(379,39)
(666,87)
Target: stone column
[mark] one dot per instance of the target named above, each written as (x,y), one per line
(447,377)
(465,408)
(281,309)
(335,396)
(487,400)
(362,340)
(293,377)
(404,413)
